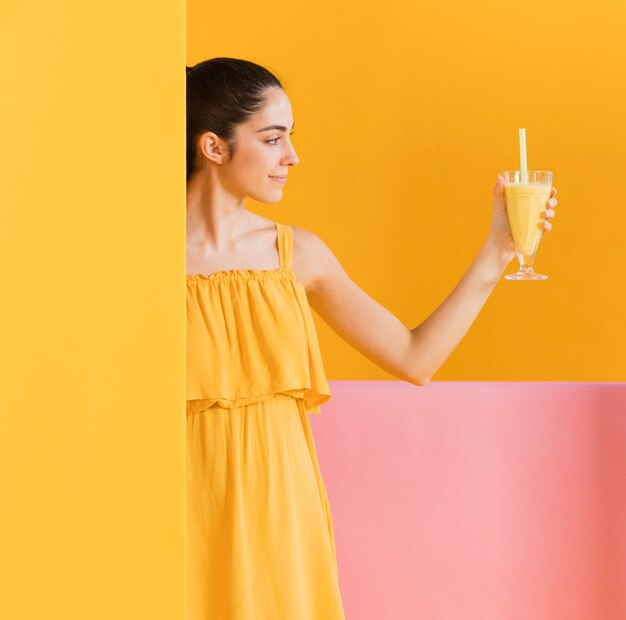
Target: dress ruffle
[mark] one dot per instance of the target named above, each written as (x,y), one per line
(248,333)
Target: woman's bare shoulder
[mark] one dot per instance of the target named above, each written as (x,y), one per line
(311,257)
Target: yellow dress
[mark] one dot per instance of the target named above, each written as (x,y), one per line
(260,542)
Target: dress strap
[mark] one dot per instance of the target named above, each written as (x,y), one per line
(285,244)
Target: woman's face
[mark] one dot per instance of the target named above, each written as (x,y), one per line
(261,153)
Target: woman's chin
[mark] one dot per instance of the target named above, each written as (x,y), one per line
(270,197)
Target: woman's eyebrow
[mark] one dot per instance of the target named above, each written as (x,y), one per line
(278,127)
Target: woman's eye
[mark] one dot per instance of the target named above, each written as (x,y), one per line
(274,141)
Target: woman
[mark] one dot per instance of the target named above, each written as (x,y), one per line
(260,534)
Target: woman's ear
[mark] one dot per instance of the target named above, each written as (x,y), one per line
(213,147)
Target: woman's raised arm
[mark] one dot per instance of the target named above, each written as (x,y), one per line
(413,355)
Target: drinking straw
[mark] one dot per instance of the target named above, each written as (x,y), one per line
(522,154)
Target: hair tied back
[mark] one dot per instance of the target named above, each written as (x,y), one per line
(221,94)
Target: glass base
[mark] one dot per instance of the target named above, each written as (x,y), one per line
(525,274)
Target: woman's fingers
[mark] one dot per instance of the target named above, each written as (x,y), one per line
(549,212)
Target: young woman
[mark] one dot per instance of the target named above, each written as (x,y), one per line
(260,541)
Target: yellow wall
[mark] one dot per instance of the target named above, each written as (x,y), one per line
(405,112)
(92,331)
(403,118)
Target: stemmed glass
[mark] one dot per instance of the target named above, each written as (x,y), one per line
(525,201)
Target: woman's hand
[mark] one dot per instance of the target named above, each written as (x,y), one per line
(500,229)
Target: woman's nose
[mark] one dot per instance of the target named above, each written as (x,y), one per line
(292,158)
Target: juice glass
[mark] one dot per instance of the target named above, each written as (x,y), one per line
(525,201)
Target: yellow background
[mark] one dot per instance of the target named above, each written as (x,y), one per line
(93,310)
(404,115)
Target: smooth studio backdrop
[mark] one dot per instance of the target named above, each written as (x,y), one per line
(404,116)
(92,336)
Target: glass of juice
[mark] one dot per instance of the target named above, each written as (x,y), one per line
(525,200)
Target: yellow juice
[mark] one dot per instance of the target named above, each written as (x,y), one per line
(524,204)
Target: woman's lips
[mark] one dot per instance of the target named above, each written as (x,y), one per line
(282,180)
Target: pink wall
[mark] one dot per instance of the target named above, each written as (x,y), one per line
(477,501)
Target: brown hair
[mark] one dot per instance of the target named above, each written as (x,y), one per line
(221,94)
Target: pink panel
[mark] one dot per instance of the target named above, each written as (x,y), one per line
(477,501)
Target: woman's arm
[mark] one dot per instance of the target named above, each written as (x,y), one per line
(433,340)
(412,355)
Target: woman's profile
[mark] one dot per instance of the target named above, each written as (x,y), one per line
(260,541)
